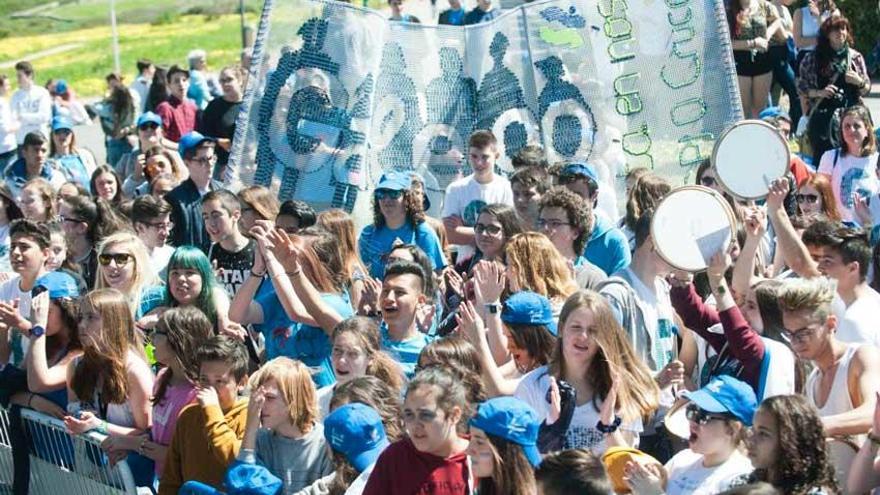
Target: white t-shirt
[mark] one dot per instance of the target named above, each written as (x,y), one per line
(465,198)
(582,432)
(10,291)
(850,174)
(324,396)
(159,259)
(688,476)
(858,325)
(7,135)
(33,109)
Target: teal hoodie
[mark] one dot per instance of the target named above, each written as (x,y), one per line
(608,247)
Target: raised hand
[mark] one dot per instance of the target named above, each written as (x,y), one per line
(369,303)
(40,309)
(778,191)
(11,317)
(255,406)
(719,264)
(555,399)
(470,325)
(207,396)
(489,281)
(756,222)
(609,405)
(861,209)
(644,480)
(671,374)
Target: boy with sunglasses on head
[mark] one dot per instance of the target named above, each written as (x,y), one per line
(465,197)
(151,217)
(846,377)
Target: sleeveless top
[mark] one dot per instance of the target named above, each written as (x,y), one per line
(117,414)
(839,400)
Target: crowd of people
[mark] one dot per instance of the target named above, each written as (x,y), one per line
(522,343)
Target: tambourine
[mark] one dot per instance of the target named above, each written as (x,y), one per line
(691,224)
(748,157)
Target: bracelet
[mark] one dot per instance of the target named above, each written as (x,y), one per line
(258,275)
(294,273)
(606,429)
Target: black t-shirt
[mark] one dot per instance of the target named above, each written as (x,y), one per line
(235,267)
(218,121)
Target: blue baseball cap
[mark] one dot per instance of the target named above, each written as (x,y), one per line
(356,431)
(584,169)
(528,308)
(241,479)
(60,122)
(726,394)
(512,420)
(395,181)
(149,117)
(191,141)
(61,87)
(59,284)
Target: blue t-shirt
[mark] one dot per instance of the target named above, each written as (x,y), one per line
(608,247)
(374,245)
(151,298)
(311,345)
(479,15)
(405,352)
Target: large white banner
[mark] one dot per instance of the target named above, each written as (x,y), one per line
(339,94)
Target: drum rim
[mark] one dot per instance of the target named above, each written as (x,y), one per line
(731,219)
(720,139)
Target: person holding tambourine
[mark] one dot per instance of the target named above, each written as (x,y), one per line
(832,77)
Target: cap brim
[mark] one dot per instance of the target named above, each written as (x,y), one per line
(552,328)
(363,460)
(532,454)
(706,402)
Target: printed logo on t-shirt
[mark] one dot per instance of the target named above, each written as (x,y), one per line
(583,437)
(472,211)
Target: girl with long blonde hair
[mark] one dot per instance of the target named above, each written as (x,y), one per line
(599,390)
(534,264)
(124,265)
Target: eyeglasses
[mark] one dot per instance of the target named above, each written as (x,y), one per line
(569,178)
(708,181)
(71,219)
(551,224)
(121,259)
(807,198)
(482,228)
(152,126)
(204,160)
(702,417)
(62,132)
(422,416)
(224,80)
(387,193)
(161,226)
(800,336)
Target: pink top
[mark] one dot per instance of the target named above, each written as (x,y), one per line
(165,413)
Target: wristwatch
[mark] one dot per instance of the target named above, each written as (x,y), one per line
(37,331)
(493,308)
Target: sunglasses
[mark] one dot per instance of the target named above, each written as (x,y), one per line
(387,193)
(482,228)
(807,198)
(121,259)
(708,181)
(702,417)
(151,126)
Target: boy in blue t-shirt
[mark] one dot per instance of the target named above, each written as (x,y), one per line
(403,292)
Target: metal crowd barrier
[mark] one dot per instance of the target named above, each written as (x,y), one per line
(60,463)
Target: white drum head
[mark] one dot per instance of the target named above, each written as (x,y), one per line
(690,225)
(676,421)
(748,157)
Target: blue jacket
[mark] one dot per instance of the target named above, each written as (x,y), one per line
(608,247)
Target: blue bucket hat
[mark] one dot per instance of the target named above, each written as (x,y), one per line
(583,169)
(395,181)
(191,141)
(528,308)
(61,87)
(60,285)
(149,117)
(60,122)
(356,431)
(513,420)
(726,394)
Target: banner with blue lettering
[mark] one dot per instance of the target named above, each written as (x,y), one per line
(338,94)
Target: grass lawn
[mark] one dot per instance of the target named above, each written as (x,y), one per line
(162,30)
